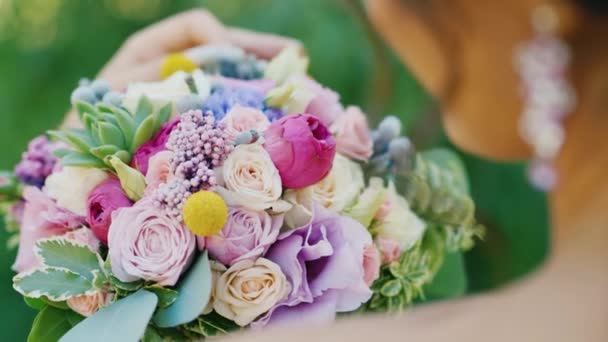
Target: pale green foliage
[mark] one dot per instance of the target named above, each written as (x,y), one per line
(109,131)
(69,269)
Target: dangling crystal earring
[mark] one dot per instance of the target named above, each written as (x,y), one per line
(547,94)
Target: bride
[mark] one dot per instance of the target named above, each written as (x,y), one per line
(501,72)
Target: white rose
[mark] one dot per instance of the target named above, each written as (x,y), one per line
(167,91)
(336,192)
(248,289)
(397,221)
(71,186)
(251,180)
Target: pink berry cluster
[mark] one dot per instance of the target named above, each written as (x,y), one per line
(199,145)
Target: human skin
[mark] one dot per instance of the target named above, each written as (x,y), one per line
(461,51)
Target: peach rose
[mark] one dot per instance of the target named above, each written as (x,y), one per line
(87,305)
(353,134)
(159,170)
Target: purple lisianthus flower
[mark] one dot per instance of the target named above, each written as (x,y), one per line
(37,162)
(323,262)
(142,155)
(224,97)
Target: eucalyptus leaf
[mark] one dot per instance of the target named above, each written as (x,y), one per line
(122,321)
(194,293)
(55,283)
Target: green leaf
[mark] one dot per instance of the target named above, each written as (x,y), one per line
(124,320)
(111,135)
(126,123)
(103,151)
(391,288)
(130,287)
(143,111)
(62,152)
(144,133)
(151,335)
(194,293)
(35,303)
(211,325)
(55,283)
(450,281)
(49,325)
(162,115)
(83,160)
(451,161)
(165,295)
(85,108)
(68,254)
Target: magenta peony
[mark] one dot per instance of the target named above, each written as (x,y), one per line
(102,202)
(42,218)
(302,149)
(142,155)
(144,243)
(246,236)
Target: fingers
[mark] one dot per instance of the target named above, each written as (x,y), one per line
(174,34)
(263,45)
(140,72)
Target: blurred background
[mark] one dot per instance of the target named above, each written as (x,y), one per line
(46,46)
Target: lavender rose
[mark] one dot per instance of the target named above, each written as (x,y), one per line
(324,263)
(246,236)
(103,201)
(146,244)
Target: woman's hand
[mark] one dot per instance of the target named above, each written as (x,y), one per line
(141,56)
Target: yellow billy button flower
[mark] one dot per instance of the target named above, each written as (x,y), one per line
(174,63)
(205,213)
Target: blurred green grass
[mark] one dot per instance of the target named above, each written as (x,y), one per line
(47,45)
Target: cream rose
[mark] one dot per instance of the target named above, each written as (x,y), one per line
(250,179)
(71,186)
(248,289)
(240,119)
(87,305)
(398,222)
(336,192)
(168,91)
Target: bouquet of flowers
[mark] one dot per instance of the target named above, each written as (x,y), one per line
(236,193)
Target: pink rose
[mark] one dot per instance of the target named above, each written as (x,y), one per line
(159,170)
(353,134)
(302,149)
(144,243)
(371,264)
(102,202)
(84,236)
(325,104)
(87,305)
(240,119)
(390,250)
(42,218)
(246,236)
(142,155)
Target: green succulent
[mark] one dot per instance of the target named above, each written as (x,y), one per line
(438,191)
(109,131)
